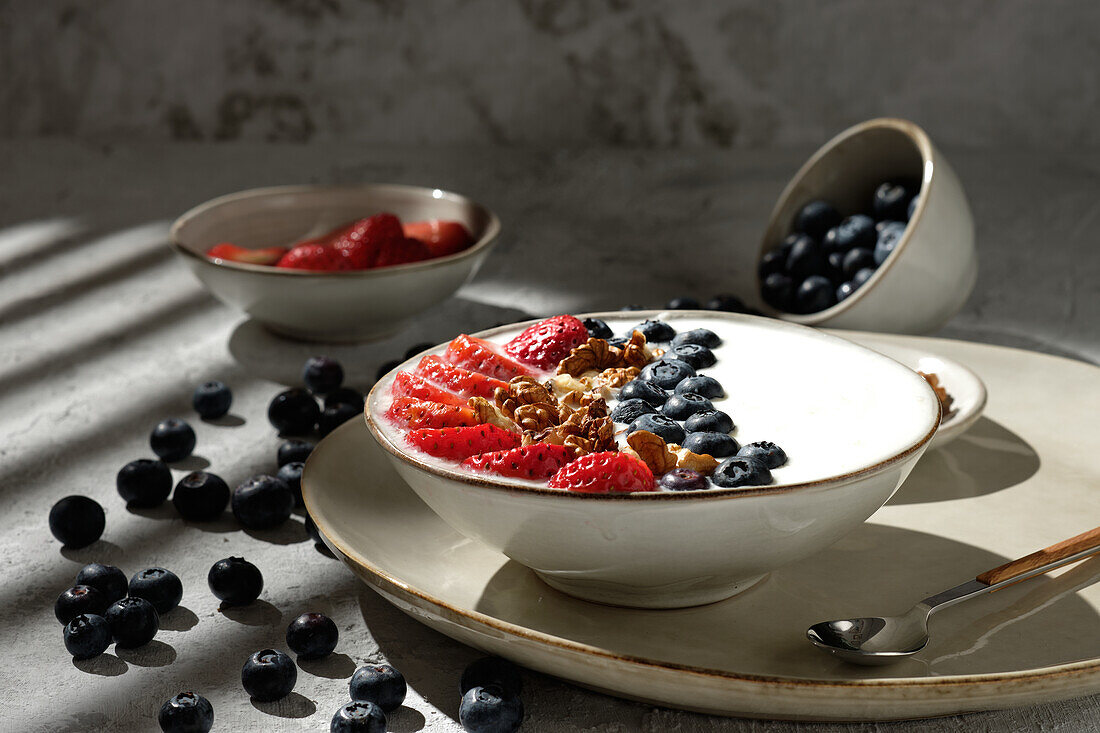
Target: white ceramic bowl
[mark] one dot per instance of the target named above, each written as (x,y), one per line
(930,274)
(336,306)
(852,421)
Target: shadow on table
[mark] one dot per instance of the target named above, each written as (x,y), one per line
(405,720)
(154,654)
(105,665)
(335,666)
(100,551)
(294,705)
(179,618)
(193,462)
(290,532)
(986,458)
(257,613)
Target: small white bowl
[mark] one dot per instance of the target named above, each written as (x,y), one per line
(333,306)
(930,274)
(853,423)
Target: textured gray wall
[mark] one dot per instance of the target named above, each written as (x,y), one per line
(750,74)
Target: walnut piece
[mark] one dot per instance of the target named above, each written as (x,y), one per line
(616,377)
(489,413)
(701,463)
(635,353)
(653,451)
(946,400)
(594,354)
(521,391)
(536,417)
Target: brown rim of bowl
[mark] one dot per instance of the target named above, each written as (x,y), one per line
(923,144)
(704,494)
(487,239)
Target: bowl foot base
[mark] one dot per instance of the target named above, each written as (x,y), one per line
(696,592)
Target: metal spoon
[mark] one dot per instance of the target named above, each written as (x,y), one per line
(875,640)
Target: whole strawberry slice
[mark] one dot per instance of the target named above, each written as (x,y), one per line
(604,473)
(463,442)
(456,379)
(407,384)
(424,414)
(233,253)
(548,342)
(441,237)
(314,257)
(362,242)
(400,252)
(484,357)
(538,461)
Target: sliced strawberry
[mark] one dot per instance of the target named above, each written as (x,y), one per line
(442,237)
(314,257)
(456,379)
(538,461)
(233,253)
(362,242)
(460,443)
(407,384)
(424,414)
(400,252)
(484,357)
(547,342)
(603,473)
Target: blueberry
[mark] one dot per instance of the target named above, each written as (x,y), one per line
(683,406)
(335,416)
(386,368)
(855,231)
(778,291)
(345,396)
(618,341)
(187,712)
(291,475)
(806,258)
(701,336)
(728,303)
(683,303)
(87,635)
(711,421)
(262,502)
(172,440)
(133,621)
(200,496)
(698,356)
(293,450)
(144,482)
(379,683)
(888,238)
(312,636)
(815,294)
(655,331)
(666,373)
(597,329)
(321,374)
(158,586)
(683,479)
(77,521)
(211,400)
(492,671)
(627,411)
(77,600)
(844,290)
(913,202)
(489,710)
(738,471)
(718,445)
(107,579)
(891,201)
(661,425)
(834,266)
(269,675)
(788,242)
(816,218)
(418,349)
(770,454)
(358,717)
(861,277)
(773,261)
(701,385)
(293,412)
(235,581)
(856,259)
(648,391)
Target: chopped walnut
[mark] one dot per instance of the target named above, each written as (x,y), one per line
(701,463)
(595,354)
(487,412)
(568,388)
(946,400)
(521,391)
(635,353)
(653,451)
(616,377)
(537,416)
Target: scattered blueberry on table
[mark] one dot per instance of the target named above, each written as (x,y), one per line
(161,587)
(235,581)
(77,600)
(77,521)
(262,502)
(335,416)
(492,671)
(380,684)
(293,450)
(312,636)
(269,675)
(87,636)
(212,400)
(683,303)
(291,475)
(107,579)
(322,374)
(172,440)
(490,710)
(200,496)
(133,621)
(144,482)
(358,717)
(186,712)
(294,412)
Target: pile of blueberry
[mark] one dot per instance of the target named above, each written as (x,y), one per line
(827,257)
(670,399)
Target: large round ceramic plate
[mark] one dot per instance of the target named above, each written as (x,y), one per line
(1023,477)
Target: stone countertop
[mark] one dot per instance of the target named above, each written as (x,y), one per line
(102,334)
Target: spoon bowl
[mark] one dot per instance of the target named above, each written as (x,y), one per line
(873,640)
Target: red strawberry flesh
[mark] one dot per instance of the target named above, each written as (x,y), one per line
(407,384)
(424,414)
(484,357)
(538,461)
(547,342)
(462,442)
(604,473)
(456,379)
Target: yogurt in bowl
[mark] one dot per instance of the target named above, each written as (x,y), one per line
(851,422)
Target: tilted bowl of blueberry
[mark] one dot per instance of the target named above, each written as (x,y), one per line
(873,233)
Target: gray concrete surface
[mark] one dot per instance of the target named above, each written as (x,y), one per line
(102,334)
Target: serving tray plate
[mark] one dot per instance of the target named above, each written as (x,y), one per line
(1022,477)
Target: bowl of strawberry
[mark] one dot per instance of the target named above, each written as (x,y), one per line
(653,459)
(335,263)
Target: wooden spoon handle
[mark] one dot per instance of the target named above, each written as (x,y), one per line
(1052,554)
